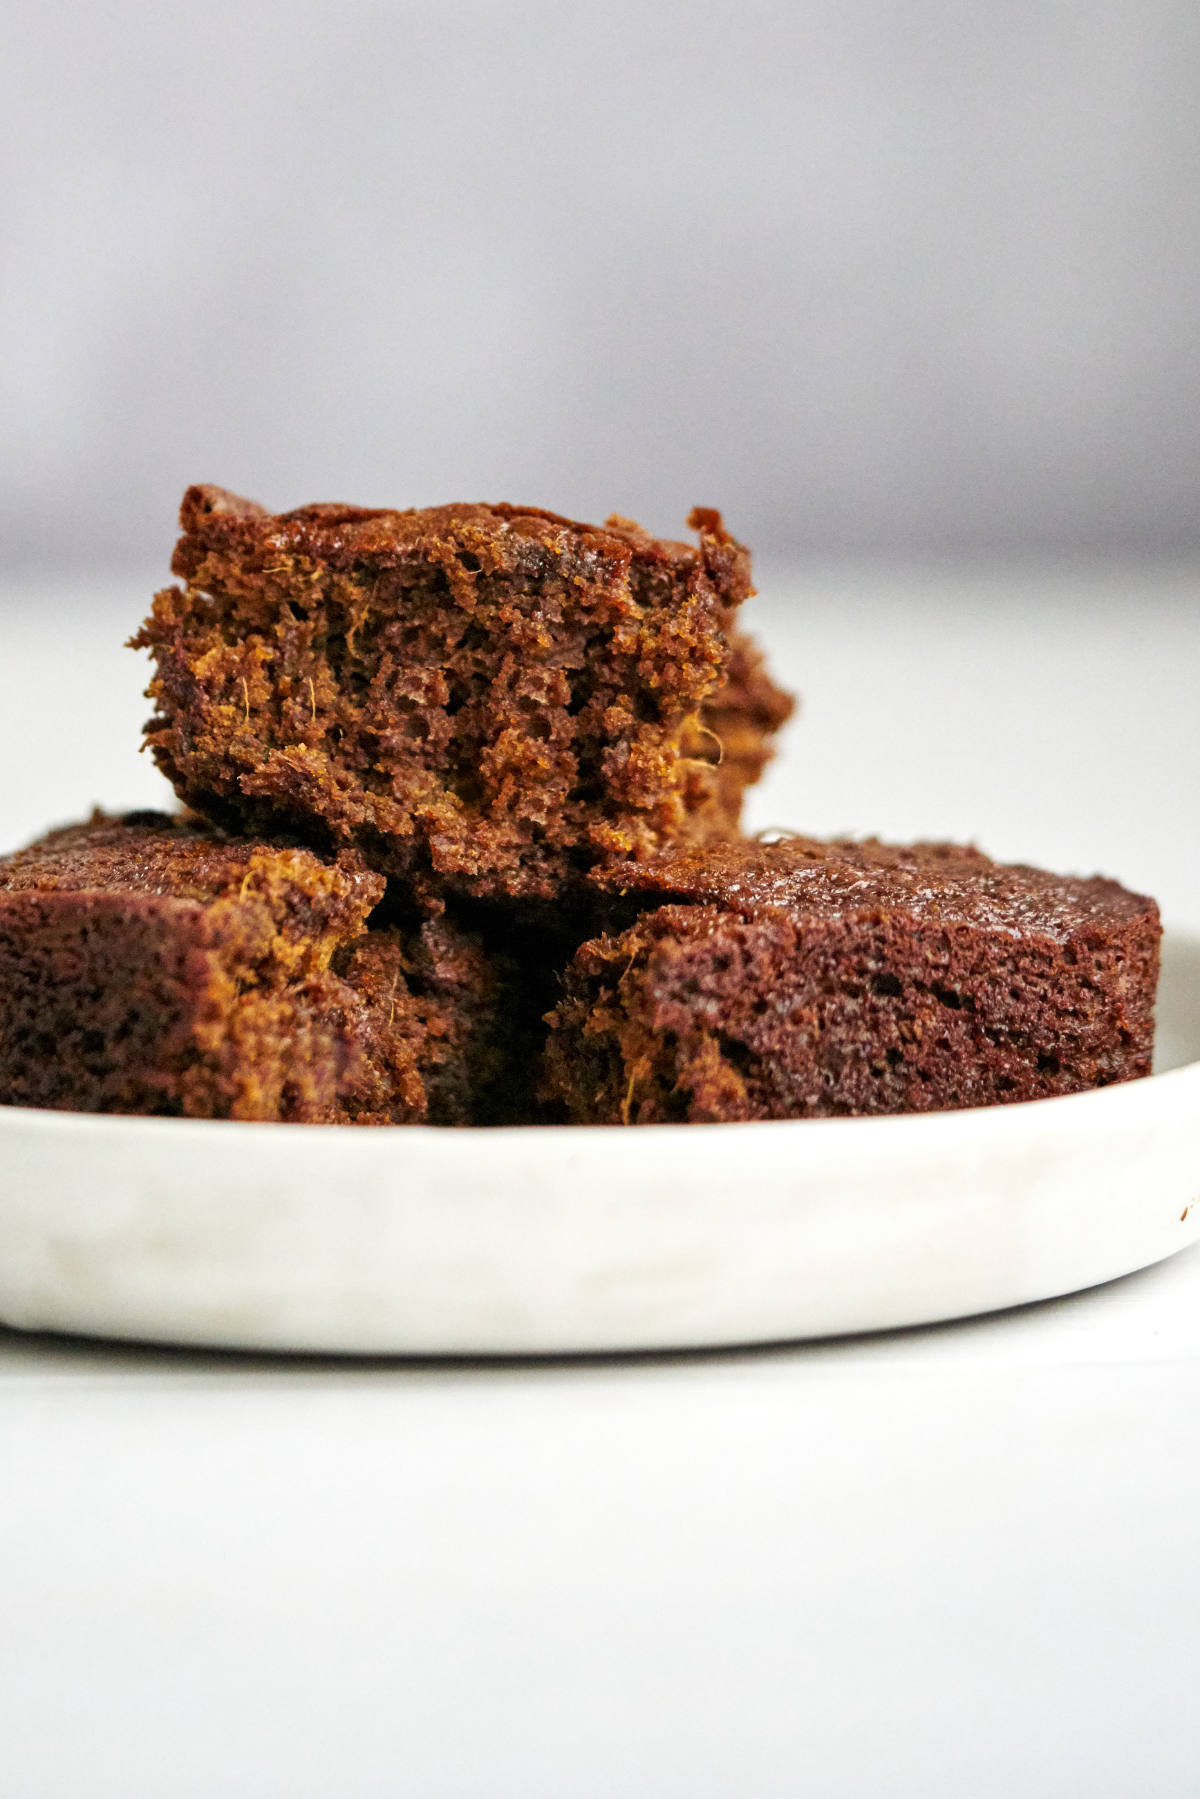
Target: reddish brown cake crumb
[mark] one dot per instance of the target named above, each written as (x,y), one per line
(804,979)
(152,965)
(482,699)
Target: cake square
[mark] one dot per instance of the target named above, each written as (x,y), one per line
(801,979)
(153,965)
(483,700)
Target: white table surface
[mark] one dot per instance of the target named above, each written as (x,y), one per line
(963,1560)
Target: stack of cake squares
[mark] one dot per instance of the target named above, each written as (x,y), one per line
(459,845)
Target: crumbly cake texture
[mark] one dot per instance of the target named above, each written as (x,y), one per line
(484,700)
(740,722)
(151,965)
(807,979)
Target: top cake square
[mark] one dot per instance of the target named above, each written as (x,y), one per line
(484,698)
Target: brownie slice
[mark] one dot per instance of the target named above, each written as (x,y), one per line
(483,698)
(800,979)
(151,965)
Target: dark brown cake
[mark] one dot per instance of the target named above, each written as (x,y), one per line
(801,979)
(150,965)
(482,699)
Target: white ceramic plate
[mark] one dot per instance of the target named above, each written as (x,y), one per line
(511,1241)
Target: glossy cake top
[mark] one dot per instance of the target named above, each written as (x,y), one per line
(179,857)
(495,537)
(953,883)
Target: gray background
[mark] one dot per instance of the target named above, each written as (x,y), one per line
(894,279)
